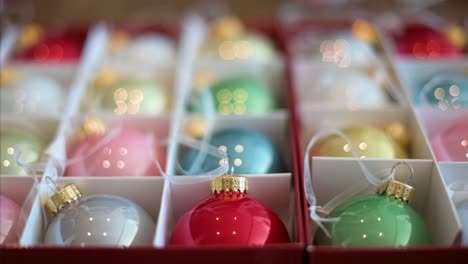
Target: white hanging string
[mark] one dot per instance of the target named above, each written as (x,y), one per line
(458,191)
(7,42)
(348,193)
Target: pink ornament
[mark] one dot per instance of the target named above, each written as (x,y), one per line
(9,215)
(451,144)
(423,42)
(129,152)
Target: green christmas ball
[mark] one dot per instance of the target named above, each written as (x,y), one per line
(133,97)
(12,141)
(375,221)
(238,96)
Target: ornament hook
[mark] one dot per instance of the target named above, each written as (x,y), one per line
(52,184)
(230,165)
(392,171)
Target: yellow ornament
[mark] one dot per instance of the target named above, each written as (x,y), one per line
(104,79)
(398,132)
(228,27)
(369,142)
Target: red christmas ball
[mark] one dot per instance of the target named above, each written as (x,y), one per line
(55,48)
(229,217)
(424,42)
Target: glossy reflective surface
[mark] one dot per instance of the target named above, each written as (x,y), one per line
(55,48)
(9,215)
(352,89)
(247,47)
(369,142)
(250,151)
(32,94)
(451,143)
(145,50)
(126,153)
(446,90)
(12,141)
(340,48)
(375,221)
(229,218)
(422,42)
(240,96)
(101,220)
(133,97)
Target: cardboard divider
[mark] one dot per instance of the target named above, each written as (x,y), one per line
(144,191)
(272,189)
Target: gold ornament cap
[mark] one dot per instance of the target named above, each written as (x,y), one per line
(65,197)
(397,190)
(229,183)
(227,27)
(90,127)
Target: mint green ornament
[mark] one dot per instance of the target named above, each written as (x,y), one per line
(238,96)
(133,97)
(376,221)
(12,141)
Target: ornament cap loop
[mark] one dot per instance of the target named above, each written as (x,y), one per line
(65,197)
(229,183)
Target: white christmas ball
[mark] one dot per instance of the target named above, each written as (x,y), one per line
(341,48)
(101,220)
(348,87)
(147,49)
(32,94)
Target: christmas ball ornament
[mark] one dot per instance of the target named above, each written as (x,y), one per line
(133,97)
(143,50)
(250,151)
(340,48)
(369,142)
(377,221)
(352,89)
(230,42)
(238,96)
(9,215)
(229,217)
(32,94)
(444,90)
(13,141)
(55,47)
(97,220)
(451,143)
(424,42)
(120,152)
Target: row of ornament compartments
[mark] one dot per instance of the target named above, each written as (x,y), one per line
(232,69)
(421,126)
(409,73)
(165,200)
